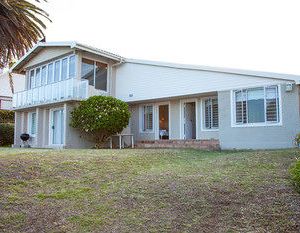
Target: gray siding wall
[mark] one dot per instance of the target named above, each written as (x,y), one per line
(175,121)
(262,137)
(73,137)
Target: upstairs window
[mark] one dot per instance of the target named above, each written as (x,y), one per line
(43,75)
(55,71)
(50,73)
(95,73)
(64,69)
(72,66)
(147,118)
(211,113)
(257,105)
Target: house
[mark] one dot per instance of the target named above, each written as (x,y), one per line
(171,104)
(18,82)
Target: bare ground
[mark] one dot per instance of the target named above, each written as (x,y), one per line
(147,191)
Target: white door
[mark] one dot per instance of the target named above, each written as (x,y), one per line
(189,120)
(57,127)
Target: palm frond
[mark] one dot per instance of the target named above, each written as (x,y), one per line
(21,26)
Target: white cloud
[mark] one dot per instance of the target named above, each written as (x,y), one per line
(247,34)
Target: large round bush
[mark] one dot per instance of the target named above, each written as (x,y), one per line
(100,117)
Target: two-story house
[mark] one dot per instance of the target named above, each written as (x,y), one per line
(171,104)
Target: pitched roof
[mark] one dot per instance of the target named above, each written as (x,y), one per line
(290,77)
(72,44)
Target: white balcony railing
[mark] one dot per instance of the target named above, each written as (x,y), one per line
(70,89)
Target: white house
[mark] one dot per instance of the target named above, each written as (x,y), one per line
(171,104)
(6,91)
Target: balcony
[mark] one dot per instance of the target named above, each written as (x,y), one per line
(70,89)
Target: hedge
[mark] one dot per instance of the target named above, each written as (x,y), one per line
(7,116)
(6,134)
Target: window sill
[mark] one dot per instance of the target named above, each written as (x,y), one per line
(256,125)
(147,131)
(209,130)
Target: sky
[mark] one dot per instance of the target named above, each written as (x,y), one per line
(245,34)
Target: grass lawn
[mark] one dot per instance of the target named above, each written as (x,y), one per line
(147,191)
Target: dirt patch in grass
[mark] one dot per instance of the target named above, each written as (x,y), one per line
(147,191)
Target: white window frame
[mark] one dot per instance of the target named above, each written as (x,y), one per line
(260,124)
(107,76)
(202,109)
(30,124)
(51,124)
(182,102)
(142,107)
(53,71)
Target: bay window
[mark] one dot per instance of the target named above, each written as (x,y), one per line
(58,70)
(95,73)
(256,105)
(211,113)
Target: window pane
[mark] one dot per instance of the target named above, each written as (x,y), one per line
(33,124)
(43,75)
(64,69)
(72,67)
(241,106)
(256,106)
(101,76)
(50,73)
(208,114)
(87,70)
(38,77)
(215,113)
(56,71)
(148,117)
(31,80)
(272,104)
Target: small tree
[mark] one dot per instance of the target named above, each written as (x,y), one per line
(100,117)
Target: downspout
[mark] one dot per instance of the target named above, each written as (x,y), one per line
(122,60)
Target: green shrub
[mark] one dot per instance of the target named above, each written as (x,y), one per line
(295,175)
(7,116)
(100,117)
(6,134)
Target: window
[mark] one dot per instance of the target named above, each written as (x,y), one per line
(32,123)
(95,73)
(211,113)
(43,75)
(101,76)
(257,105)
(72,66)
(87,70)
(148,118)
(31,80)
(37,77)
(56,71)
(64,69)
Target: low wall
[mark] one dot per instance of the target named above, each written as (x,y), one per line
(211,144)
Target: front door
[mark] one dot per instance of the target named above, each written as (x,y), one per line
(163,117)
(190,120)
(57,127)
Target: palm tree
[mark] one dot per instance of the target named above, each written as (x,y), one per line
(21,26)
